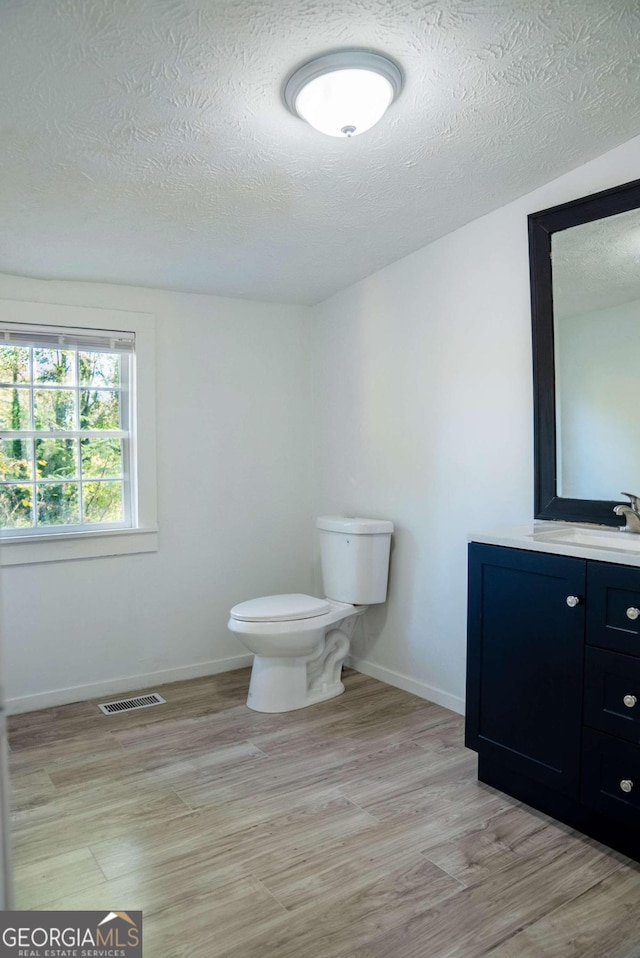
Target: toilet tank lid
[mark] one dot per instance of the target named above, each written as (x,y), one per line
(354,525)
(279,608)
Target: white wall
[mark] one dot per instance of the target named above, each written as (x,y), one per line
(424,416)
(597,402)
(234,406)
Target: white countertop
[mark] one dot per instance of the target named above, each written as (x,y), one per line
(532,537)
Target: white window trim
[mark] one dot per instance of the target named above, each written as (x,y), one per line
(143,537)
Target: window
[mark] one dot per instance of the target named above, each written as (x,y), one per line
(77,437)
(65,438)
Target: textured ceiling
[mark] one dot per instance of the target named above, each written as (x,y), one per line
(596,265)
(145,142)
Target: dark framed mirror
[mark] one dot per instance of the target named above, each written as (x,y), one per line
(584,261)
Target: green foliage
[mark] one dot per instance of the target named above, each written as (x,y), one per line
(14,408)
(16,507)
(14,364)
(15,460)
(58,504)
(90,458)
(100,370)
(101,458)
(54,366)
(99,409)
(102,501)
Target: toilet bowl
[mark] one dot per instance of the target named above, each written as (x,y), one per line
(297,661)
(299,641)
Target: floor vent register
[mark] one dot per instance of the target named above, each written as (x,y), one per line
(127,705)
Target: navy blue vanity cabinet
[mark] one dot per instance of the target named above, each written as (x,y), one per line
(553,686)
(525,663)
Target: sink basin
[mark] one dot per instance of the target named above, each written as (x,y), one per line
(614,541)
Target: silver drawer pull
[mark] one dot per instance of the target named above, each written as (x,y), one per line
(633,613)
(630,701)
(626,785)
(573,601)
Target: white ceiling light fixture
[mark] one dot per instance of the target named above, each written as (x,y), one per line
(343,93)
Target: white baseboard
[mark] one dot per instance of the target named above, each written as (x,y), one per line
(446,699)
(131,683)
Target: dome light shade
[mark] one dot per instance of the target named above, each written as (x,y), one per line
(345,93)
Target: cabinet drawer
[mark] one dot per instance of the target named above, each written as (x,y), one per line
(612,693)
(613,607)
(611,776)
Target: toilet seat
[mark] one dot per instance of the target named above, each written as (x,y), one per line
(280,608)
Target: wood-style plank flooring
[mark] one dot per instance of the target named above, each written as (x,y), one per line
(351,829)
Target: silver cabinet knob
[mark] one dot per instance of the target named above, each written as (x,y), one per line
(630,701)
(573,601)
(626,785)
(633,613)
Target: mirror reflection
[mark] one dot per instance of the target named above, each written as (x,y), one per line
(596,306)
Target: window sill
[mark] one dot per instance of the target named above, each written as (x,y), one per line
(76,545)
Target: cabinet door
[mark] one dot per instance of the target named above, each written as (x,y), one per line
(525,662)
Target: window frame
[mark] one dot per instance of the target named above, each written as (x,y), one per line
(32,435)
(141,534)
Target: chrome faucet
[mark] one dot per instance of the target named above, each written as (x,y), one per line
(631,513)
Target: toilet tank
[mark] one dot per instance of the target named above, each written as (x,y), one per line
(354,554)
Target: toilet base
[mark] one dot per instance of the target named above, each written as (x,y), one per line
(268,694)
(283,684)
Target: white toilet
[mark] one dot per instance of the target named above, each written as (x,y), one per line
(300,642)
